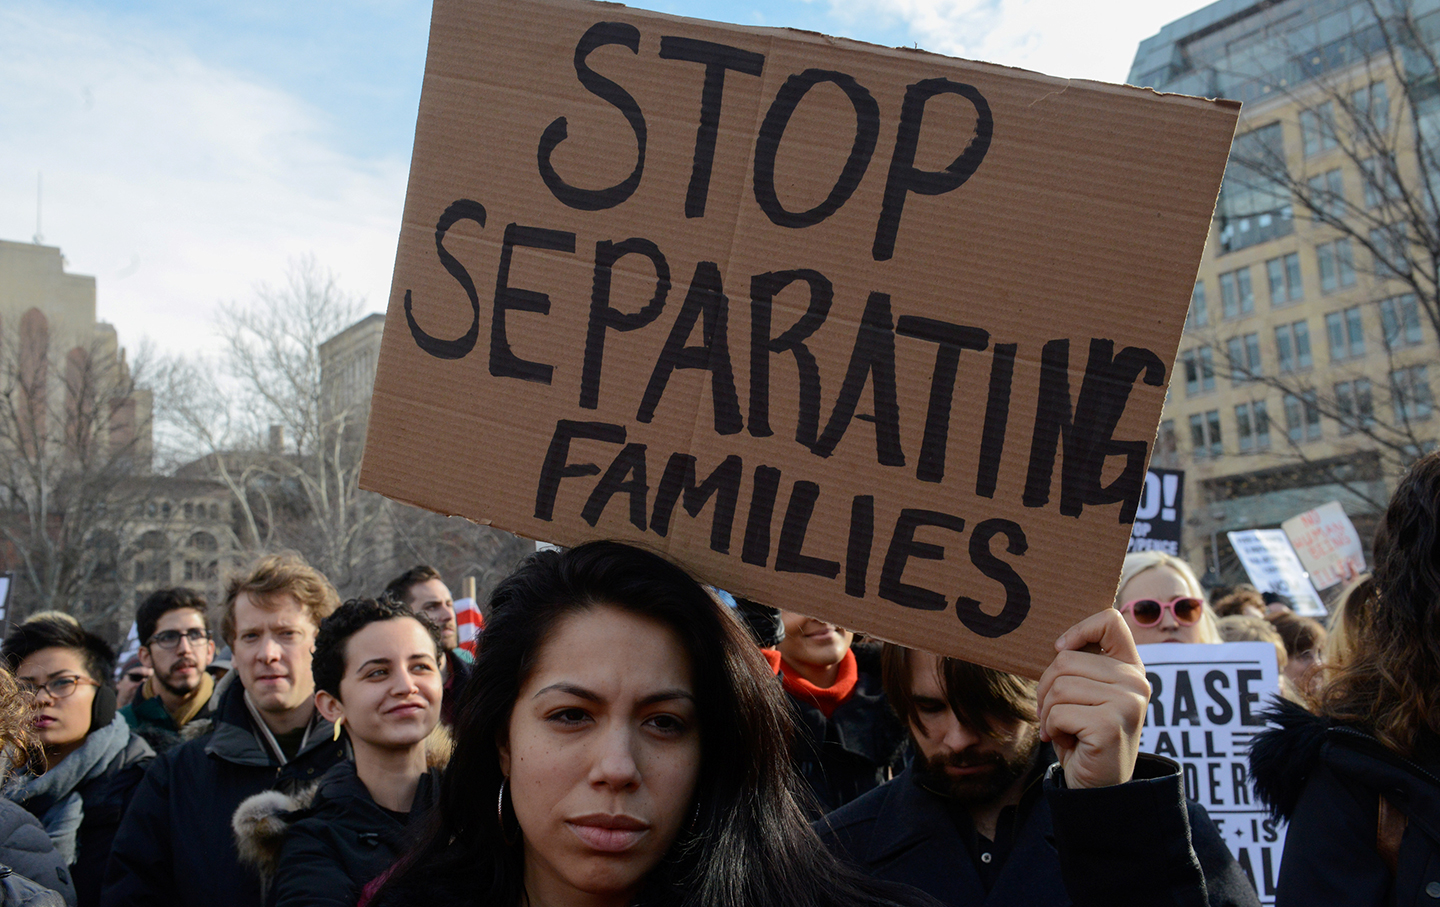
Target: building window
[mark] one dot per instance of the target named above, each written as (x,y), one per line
(1292,346)
(1410,394)
(1391,256)
(1284,275)
(1244,355)
(1378,180)
(1199,370)
(1337,266)
(1327,196)
(1302,417)
(1347,336)
(1371,105)
(1199,317)
(1400,316)
(1317,128)
(1354,405)
(1205,434)
(1236,296)
(1252,427)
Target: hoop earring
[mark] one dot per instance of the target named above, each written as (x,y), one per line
(500,813)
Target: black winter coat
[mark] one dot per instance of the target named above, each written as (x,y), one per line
(26,849)
(1327,779)
(341,841)
(175,846)
(1108,847)
(858,748)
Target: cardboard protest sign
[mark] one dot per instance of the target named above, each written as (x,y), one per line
(871,334)
(1205,705)
(1161,514)
(1271,563)
(1327,544)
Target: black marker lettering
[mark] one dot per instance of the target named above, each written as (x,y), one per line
(603,317)
(705,302)
(464,209)
(763,288)
(790,556)
(903,546)
(504,363)
(1017,594)
(678,483)
(949,340)
(873,357)
(557,463)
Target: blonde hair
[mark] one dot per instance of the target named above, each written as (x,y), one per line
(1138,562)
(279,574)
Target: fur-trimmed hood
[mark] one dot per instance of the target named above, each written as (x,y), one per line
(262,822)
(1283,756)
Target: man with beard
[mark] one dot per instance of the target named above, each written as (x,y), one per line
(177,647)
(986,815)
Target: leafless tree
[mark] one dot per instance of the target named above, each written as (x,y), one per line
(74,471)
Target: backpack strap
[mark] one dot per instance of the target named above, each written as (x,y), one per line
(1389,829)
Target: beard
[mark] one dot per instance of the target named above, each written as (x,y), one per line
(1001,770)
(183,687)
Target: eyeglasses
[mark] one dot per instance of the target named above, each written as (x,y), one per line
(170,639)
(1147,611)
(59,688)
(137,677)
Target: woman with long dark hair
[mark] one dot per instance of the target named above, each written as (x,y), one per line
(620,741)
(1359,782)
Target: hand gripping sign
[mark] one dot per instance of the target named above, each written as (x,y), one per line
(873,334)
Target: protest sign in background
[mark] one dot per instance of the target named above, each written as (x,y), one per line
(867,333)
(1327,543)
(1205,704)
(1273,566)
(1161,513)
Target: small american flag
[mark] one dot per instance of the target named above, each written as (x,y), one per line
(468,622)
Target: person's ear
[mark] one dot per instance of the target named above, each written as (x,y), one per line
(144,653)
(331,709)
(503,748)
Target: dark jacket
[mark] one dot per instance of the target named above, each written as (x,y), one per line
(26,849)
(150,720)
(321,847)
(1326,779)
(858,748)
(175,846)
(104,792)
(1108,847)
(458,666)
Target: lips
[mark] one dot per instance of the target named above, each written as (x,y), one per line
(608,834)
(405,709)
(43,721)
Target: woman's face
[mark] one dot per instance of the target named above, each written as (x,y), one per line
(1162,584)
(812,642)
(391,690)
(603,756)
(61,723)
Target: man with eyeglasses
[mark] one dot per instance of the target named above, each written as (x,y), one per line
(176,645)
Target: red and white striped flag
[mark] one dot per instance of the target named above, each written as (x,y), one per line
(468,622)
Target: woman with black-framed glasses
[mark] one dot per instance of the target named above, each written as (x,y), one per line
(89,760)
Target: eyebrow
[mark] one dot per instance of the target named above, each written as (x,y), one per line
(383,660)
(581,693)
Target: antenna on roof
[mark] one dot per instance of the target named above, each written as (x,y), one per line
(39,237)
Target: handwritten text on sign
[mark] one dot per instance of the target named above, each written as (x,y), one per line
(806,315)
(1205,705)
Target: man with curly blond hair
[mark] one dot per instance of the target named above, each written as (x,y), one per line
(175,844)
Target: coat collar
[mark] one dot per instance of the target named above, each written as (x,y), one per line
(237,738)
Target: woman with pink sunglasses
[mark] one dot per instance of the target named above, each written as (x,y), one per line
(1162,600)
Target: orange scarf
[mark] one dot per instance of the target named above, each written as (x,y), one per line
(826,699)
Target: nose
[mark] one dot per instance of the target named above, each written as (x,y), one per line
(403,684)
(269,650)
(183,645)
(1167,619)
(957,736)
(615,766)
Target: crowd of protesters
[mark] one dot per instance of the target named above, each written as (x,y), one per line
(622,735)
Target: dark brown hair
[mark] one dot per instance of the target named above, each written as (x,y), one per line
(748,844)
(399,587)
(1391,684)
(980,697)
(1300,634)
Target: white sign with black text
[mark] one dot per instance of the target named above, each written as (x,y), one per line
(1205,706)
(1273,566)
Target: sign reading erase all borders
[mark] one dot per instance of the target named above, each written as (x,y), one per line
(871,334)
(1205,705)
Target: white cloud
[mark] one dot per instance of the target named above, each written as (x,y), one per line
(175,183)
(1057,37)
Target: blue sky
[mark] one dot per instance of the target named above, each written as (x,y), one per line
(190,150)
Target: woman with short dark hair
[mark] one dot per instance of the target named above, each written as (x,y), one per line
(378,677)
(88,762)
